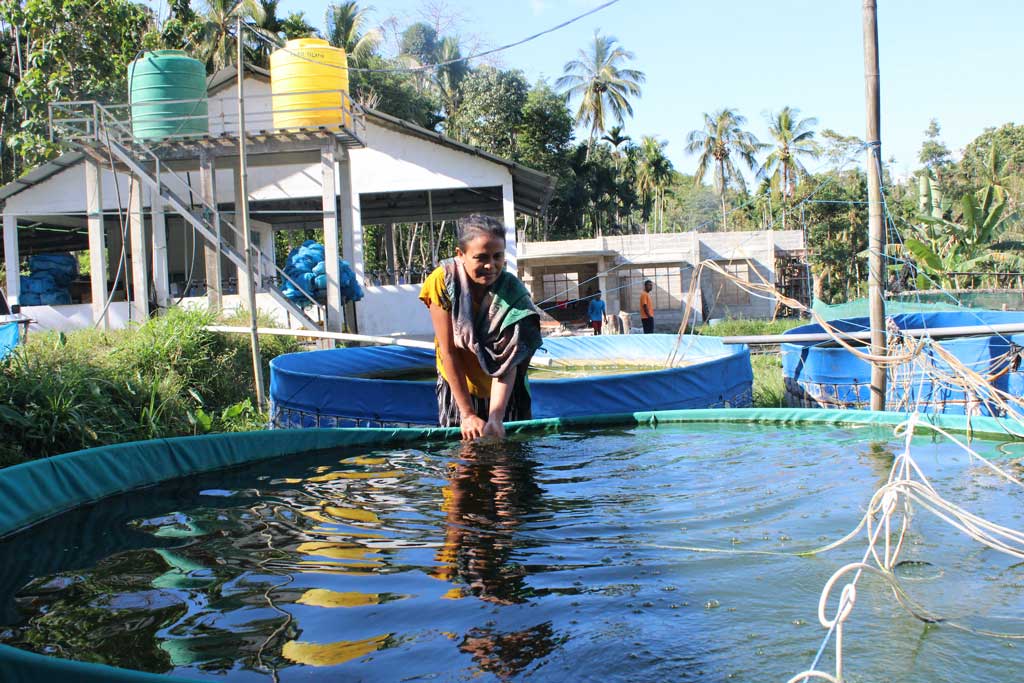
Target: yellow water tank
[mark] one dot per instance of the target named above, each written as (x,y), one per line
(307,77)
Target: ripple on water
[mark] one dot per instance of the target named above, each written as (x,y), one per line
(620,554)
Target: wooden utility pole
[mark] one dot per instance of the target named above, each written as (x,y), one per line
(242,209)
(876,227)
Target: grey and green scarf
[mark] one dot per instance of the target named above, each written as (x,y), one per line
(506,331)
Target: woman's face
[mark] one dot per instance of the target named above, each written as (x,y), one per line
(484,259)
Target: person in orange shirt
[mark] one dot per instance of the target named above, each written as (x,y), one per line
(486,330)
(647,308)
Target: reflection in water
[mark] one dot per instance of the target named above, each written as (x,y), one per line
(491,490)
(488,493)
(480,564)
(507,654)
(245,578)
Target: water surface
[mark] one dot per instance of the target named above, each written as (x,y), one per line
(550,558)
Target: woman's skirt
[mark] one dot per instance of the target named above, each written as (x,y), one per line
(518,408)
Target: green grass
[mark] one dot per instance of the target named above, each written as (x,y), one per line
(769,390)
(169,377)
(734,328)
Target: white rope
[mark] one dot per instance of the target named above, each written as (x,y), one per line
(906,485)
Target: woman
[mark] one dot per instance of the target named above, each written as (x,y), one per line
(486,329)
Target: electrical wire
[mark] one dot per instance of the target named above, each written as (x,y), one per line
(430,67)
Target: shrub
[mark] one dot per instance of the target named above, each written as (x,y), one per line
(63,392)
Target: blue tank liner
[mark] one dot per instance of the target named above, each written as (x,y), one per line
(344,388)
(832,377)
(9,335)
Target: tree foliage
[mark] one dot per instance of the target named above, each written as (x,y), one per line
(602,85)
(491,112)
(545,130)
(720,145)
(73,50)
(348,28)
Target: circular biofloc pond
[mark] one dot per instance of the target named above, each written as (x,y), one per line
(615,553)
(571,377)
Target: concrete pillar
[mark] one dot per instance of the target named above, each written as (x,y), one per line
(612,293)
(526,275)
(137,235)
(264,240)
(508,207)
(328,160)
(12,260)
(351,218)
(97,243)
(351,230)
(208,191)
(161,278)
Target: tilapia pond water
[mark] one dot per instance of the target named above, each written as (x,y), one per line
(559,557)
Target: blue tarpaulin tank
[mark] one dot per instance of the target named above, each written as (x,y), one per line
(348,387)
(9,335)
(830,376)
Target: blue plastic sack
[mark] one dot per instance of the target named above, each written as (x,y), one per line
(38,283)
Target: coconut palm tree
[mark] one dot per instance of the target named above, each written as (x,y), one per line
(295,26)
(721,142)
(448,80)
(347,29)
(269,25)
(601,84)
(793,140)
(653,176)
(217,36)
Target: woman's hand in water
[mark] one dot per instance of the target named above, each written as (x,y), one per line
(494,428)
(472,427)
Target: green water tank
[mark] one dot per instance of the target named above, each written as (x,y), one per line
(167,92)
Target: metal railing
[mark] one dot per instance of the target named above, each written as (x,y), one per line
(78,120)
(107,130)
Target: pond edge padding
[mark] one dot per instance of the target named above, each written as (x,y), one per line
(34,491)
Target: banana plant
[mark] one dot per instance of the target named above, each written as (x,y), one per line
(941,247)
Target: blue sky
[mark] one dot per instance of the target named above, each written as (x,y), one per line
(960,63)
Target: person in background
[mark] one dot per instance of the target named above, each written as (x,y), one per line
(647,308)
(486,330)
(595,312)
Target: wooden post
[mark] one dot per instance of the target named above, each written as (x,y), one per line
(12,261)
(140,270)
(97,243)
(238,240)
(433,246)
(876,227)
(208,191)
(242,205)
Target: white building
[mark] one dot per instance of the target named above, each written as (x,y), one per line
(375,170)
(563,275)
